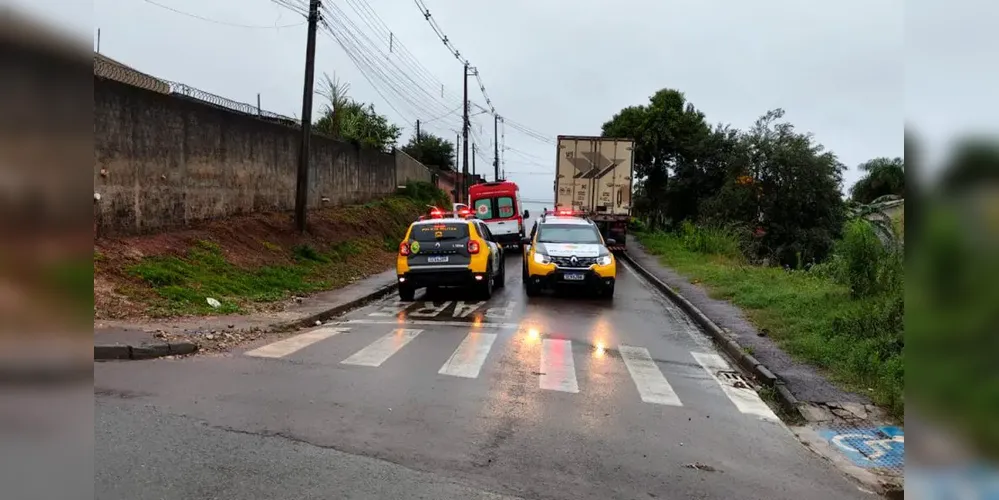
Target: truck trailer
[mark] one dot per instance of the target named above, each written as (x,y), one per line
(593,176)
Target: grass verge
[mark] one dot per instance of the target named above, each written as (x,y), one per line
(183,284)
(810,315)
(251,263)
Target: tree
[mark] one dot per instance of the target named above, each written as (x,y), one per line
(797,184)
(883,176)
(431,150)
(671,141)
(348,120)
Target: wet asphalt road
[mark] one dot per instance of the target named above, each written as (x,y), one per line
(549,397)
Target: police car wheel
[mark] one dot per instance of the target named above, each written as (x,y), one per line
(501,276)
(406,293)
(486,286)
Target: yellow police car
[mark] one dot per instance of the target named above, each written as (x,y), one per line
(566,250)
(449,250)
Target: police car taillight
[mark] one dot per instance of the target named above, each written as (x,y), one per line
(473,246)
(404,248)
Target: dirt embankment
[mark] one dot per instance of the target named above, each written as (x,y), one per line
(247,264)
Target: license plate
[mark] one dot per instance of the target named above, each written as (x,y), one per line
(574,277)
(437,259)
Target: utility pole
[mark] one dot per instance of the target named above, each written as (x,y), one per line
(464,137)
(302,187)
(473,159)
(417,131)
(457,166)
(496,148)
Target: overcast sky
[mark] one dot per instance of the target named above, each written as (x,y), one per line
(555,66)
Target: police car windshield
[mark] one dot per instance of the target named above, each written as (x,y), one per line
(441,231)
(568,233)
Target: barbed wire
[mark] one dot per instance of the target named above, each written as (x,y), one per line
(224,102)
(113,70)
(105,67)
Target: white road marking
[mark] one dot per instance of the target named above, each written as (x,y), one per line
(418,322)
(501,312)
(461,309)
(744,398)
(651,383)
(382,349)
(429,310)
(289,345)
(467,360)
(391,310)
(558,370)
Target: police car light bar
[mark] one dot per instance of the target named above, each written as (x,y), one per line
(563,212)
(437,213)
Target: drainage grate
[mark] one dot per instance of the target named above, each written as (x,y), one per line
(735,378)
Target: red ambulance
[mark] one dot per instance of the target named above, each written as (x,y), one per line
(498,205)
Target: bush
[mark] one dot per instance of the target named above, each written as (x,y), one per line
(710,240)
(427,194)
(868,266)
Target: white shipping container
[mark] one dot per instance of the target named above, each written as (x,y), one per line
(594,174)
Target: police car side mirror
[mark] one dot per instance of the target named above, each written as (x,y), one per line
(525,241)
(611,241)
(527,214)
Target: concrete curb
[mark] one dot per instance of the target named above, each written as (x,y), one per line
(143,351)
(336,310)
(746,361)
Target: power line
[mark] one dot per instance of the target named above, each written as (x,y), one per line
(223,23)
(367,71)
(525,154)
(453,111)
(395,46)
(297,7)
(454,51)
(405,56)
(426,102)
(372,64)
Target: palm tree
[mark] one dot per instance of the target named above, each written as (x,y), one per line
(883,176)
(335,93)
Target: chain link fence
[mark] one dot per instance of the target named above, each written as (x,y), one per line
(105,67)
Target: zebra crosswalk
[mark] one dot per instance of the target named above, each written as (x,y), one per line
(557,370)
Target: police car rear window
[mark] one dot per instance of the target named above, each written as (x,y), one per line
(439,232)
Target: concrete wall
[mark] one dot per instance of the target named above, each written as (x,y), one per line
(163,161)
(408,169)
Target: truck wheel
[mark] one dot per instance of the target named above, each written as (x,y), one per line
(406,293)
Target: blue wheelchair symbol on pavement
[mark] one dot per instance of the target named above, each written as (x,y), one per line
(871,448)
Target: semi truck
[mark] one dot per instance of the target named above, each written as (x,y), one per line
(593,177)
